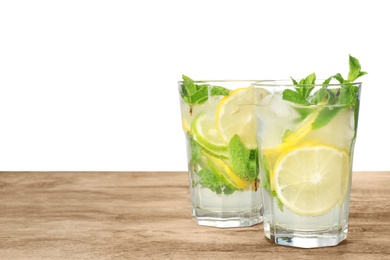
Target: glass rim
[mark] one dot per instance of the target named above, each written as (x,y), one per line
(227,80)
(289,83)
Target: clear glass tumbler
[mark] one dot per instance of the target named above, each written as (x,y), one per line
(218,122)
(305,153)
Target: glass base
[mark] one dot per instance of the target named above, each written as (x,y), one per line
(226,219)
(305,239)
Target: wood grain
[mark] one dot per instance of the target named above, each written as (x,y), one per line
(146,215)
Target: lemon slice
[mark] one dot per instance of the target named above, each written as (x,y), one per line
(272,155)
(310,180)
(290,141)
(185,116)
(185,124)
(293,138)
(235,116)
(220,168)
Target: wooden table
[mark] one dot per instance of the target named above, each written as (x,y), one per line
(146,215)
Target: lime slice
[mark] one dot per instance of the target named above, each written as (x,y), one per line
(235,116)
(206,135)
(310,180)
(221,154)
(220,168)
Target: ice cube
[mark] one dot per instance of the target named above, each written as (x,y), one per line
(280,107)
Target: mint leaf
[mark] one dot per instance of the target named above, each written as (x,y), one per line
(294,97)
(244,162)
(188,86)
(302,90)
(304,87)
(339,78)
(193,93)
(320,96)
(348,95)
(209,180)
(310,80)
(325,116)
(219,91)
(228,190)
(354,69)
(332,96)
(239,156)
(327,81)
(303,112)
(195,150)
(197,94)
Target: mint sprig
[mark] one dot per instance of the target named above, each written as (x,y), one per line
(193,93)
(345,97)
(302,90)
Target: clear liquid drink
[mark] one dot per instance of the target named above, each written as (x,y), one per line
(306,153)
(218,123)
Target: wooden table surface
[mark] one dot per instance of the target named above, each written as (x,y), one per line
(146,215)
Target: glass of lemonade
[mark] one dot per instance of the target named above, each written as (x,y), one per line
(218,123)
(306,135)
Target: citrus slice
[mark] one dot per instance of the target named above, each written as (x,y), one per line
(294,137)
(235,115)
(218,154)
(206,135)
(271,156)
(311,180)
(184,123)
(220,168)
(185,116)
(289,141)
(204,129)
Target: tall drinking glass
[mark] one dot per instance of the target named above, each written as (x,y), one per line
(306,154)
(218,123)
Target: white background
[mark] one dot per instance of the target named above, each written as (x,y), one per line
(92,85)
